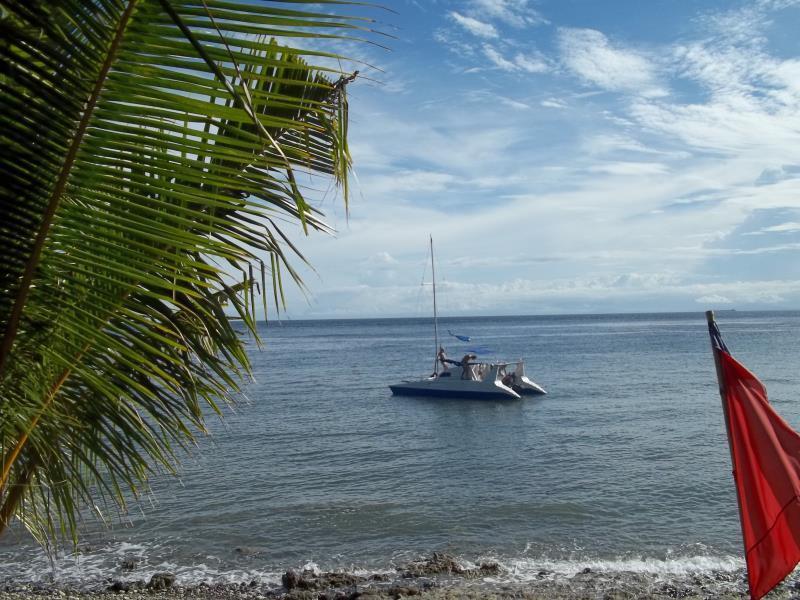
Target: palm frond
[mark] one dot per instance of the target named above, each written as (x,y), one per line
(148,150)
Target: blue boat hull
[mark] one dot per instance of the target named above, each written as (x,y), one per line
(429,392)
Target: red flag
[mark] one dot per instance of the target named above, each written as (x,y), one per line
(766,467)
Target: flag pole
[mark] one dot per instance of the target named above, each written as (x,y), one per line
(712,328)
(712,325)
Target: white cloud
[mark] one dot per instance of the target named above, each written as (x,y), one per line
(497,59)
(629,168)
(750,102)
(790,227)
(484,96)
(589,54)
(743,25)
(518,63)
(517,13)
(474,26)
(612,142)
(723,71)
(755,251)
(454,42)
(743,126)
(713,300)
(406,181)
(381,259)
(531,63)
(511,103)
(647,292)
(553,103)
(777,4)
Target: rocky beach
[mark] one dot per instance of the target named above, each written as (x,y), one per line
(439,577)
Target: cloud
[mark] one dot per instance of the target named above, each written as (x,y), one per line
(648,292)
(407,181)
(774,175)
(747,101)
(531,63)
(380,259)
(629,168)
(614,143)
(484,96)
(589,55)
(790,227)
(485,19)
(474,26)
(454,41)
(724,71)
(743,25)
(553,103)
(713,300)
(517,13)
(518,63)
(497,59)
(744,127)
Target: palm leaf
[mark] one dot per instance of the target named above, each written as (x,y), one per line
(148,149)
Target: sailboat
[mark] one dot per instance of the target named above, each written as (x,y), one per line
(467,378)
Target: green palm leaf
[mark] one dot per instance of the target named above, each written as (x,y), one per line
(148,149)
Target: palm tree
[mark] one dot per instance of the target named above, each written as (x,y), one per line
(149,149)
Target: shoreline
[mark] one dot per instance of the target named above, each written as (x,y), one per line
(439,577)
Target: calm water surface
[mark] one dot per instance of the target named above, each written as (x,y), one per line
(624,464)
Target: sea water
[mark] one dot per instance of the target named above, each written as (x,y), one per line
(623,466)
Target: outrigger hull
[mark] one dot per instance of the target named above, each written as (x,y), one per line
(526,387)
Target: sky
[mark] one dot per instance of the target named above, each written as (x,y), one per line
(567,156)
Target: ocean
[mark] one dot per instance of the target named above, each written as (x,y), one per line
(622,467)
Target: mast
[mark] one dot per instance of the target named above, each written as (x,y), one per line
(435,315)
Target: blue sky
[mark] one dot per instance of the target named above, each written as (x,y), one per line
(569,157)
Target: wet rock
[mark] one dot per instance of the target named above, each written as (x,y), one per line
(444,564)
(489,568)
(586,571)
(438,564)
(119,586)
(301,595)
(397,592)
(544,573)
(427,585)
(291,579)
(129,564)
(161,581)
(248,551)
(337,580)
(339,596)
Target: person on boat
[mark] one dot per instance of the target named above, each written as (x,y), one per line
(466,369)
(443,358)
